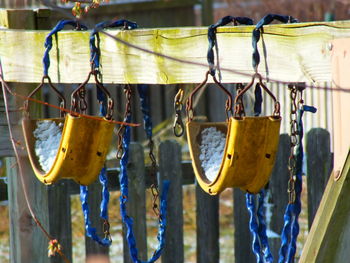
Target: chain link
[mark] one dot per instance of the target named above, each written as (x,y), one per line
(120,133)
(105,229)
(239,107)
(79,103)
(153,175)
(294,139)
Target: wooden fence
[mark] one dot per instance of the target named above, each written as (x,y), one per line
(207,207)
(171,166)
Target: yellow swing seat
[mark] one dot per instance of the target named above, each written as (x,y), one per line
(250,148)
(83,148)
(249,155)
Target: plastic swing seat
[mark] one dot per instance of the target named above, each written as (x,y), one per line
(249,153)
(83,146)
(82,151)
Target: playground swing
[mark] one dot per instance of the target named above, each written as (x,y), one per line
(257,224)
(76,159)
(105,109)
(251,142)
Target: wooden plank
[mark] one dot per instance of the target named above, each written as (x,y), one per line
(278,199)
(329,237)
(296,52)
(5,143)
(319,168)
(187,178)
(27,242)
(60,218)
(137,202)
(207,218)
(94,201)
(170,169)
(242,237)
(278,190)
(17,18)
(341,105)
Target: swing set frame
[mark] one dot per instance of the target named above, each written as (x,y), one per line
(313,52)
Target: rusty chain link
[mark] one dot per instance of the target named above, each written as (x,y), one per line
(105,229)
(154,185)
(239,107)
(120,133)
(178,126)
(294,140)
(120,150)
(79,103)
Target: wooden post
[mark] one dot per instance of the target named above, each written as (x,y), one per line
(60,218)
(207,218)
(278,199)
(94,201)
(319,168)
(279,196)
(137,202)
(328,240)
(242,237)
(28,243)
(170,169)
(5,143)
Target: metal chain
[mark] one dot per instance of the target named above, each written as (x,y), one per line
(178,126)
(105,228)
(79,103)
(239,107)
(120,133)
(154,185)
(293,143)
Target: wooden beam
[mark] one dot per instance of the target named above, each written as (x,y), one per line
(329,237)
(295,53)
(341,105)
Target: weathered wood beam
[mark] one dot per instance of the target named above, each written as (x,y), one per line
(328,240)
(329,237)
(295,53)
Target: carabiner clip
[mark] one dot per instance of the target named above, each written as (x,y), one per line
(178,126)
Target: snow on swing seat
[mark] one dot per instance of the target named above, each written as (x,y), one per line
(250,148)
(248,157)
(82,150)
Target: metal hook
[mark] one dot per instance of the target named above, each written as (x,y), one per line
(238,108)
(59,94)
(189,102)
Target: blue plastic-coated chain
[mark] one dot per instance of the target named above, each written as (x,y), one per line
(258,100)
(257,220)
(94,50)
(253,227)
(212,36)
(264,242)
(91,231)
(143,90)
(48,41)
(124,195)
(259,29)
(290,229)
